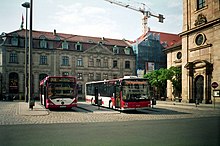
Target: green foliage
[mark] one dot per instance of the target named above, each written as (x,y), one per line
(158,79)
(176,79)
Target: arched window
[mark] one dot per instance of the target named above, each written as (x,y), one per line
(43,42)
(42,76)
(78,46)
(14,39)
(65,45)
(13,83)
(115,50)
(80,88)
(127,50)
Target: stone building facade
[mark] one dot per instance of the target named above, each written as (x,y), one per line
(58,54)
(174,58)
(200,50)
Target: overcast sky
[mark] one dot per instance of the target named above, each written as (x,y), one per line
(92,17)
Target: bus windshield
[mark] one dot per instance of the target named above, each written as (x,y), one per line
(134,91)
(61,90)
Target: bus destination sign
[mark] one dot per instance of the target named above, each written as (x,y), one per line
(60,79)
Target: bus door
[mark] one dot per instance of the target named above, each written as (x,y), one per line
(117,96)
(96,95)
(45,95)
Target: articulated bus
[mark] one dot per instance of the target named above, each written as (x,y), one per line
(58,92)
(126,93)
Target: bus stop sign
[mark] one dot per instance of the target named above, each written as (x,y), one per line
(214,85)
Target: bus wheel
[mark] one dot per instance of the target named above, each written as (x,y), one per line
(110,104)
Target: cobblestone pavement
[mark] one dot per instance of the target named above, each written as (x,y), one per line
(9,115)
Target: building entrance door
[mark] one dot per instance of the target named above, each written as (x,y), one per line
(199,88)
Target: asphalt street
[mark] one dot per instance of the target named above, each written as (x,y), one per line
(176,132)
(165,124)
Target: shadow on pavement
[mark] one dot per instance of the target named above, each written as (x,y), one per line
(154,111)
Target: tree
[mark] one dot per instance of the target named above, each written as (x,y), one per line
(158,79)
(175,76)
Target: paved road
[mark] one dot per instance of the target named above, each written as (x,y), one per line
(176,132)
(9,115)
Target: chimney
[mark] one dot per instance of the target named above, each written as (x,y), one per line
(54,32)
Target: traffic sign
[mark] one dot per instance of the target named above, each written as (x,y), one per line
(214,85)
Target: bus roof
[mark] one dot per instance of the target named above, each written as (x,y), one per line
(119,79)
(48,77)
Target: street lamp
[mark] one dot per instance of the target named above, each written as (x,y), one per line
(30,87)
(26,5)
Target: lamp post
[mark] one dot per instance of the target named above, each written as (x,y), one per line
(26,5)
(30,87)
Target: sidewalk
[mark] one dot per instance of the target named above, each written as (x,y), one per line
(188,105)
(38,109)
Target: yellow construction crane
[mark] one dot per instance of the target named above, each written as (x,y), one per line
(146,14)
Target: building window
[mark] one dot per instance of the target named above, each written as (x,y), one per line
(57,38)
(115,76)
(14,40)
(91,76)
(78,46)
(91,62)
(200,4)
(43,43)
(105,63)
(200,39)
(42,76)
(43,59)
(65,45)
(13,82)
(127,64)
(80,88)
(115,64)
(127,51)
(65,74)
(179,55)
(65,60)
(98,76)
(79,62)
(98,62)
(79,76)
(13,57)
(115,50)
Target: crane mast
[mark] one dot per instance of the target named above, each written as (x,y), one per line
(146,14)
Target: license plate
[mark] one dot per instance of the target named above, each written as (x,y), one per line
(63,106)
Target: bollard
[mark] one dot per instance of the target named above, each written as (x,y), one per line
(31,104)
(153,102)
(197,102)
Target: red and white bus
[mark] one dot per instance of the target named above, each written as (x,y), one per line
(126,93)
(58,92)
